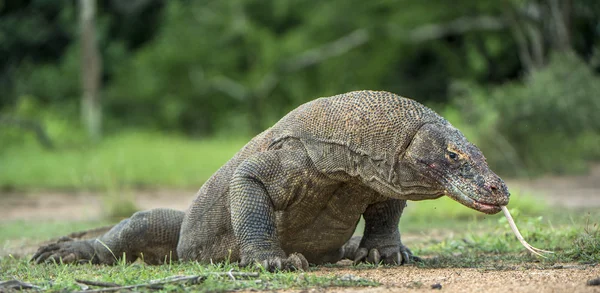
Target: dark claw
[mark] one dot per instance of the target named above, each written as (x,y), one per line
(360,256)
(394,259)
(294,262)
(374,256)
(275,265)
(43,257)
(65,251)
(406,257)
(54,258)
(69,258)
(43,252)
(270,265)
(297,262)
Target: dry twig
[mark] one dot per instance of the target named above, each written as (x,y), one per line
(158,284)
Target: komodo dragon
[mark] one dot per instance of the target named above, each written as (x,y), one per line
(295,193)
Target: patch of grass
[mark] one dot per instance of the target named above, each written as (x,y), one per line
(486,244)
(575,241)
(125,160)
(60,278)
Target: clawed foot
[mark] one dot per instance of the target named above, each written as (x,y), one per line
(390,255)
(294,262)
(66,250)
(385,256)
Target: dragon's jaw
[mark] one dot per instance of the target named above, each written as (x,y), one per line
(468,201)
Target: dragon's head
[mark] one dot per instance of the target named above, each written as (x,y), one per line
(442,153)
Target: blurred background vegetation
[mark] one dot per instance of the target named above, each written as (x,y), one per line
(145,93)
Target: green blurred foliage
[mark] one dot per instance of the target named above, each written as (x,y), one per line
(58,122)
(214,67)
(232,68)
(548,122)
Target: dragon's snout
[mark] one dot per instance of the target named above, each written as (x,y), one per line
(498,191)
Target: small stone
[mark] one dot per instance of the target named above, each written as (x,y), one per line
(437,286)
(594,282)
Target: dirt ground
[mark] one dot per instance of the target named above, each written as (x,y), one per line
(561,278)
(568,192)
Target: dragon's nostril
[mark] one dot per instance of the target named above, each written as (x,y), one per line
(492,187)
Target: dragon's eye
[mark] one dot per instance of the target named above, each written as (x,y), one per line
(452,155)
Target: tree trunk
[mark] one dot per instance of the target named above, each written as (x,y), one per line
(91,68)
(561,12)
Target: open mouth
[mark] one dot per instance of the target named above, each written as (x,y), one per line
(464,199)
(486,208)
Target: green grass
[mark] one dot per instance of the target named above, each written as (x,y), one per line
(130,160)
(574,240)
(487,244)
(469,237)
(60,278)
(472,243)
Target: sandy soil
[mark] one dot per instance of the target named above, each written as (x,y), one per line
(560,278)
(565,191)
(569,192)
(81,205)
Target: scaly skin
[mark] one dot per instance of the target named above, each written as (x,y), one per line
(294,194)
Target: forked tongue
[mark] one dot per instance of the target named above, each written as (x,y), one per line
(511,222)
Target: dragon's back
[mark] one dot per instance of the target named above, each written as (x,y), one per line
(376,124)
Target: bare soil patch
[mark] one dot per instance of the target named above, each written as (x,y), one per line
(559,278)
(582,191)
(79,206)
